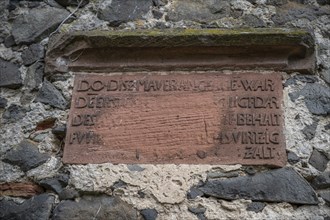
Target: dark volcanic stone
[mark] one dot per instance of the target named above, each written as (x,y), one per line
(316,97)
(34,76)
(255,206)
(26,155)
(280,185)
(302,78)
(10,76)
(3,102)
(48,94)
(323,2)
(59,131)
(33,53)
(253,21)
(56,183)
(321,181)
(194,192)
(68,193)
(326,196)
(310,130)
(318,160)
(149,214)
(276,2)
(198,211)
(66,3)
(104,207)
(37,208)
(293,158)
(9,41)
(120,11)
(135,168)
(37,24)
(198,10)
(13,113)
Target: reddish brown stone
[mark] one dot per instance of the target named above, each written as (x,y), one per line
(178,118)
(25,189)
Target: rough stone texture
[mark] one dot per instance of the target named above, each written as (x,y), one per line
(288,185)
(34,76)
(325,196)
(10,75)
(48,94)
(13,113)
(68,193)
(65,3)
(316,97)
(26,155)
(88,207)
(116,11)
(255,206)
(322,181)
(149,214)
(293,158)
(36,24)
(37,208)
(318,160)
(59,131)
(3,102)
(310,130)
(56,183)
(33,53)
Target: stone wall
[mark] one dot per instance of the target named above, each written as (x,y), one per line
(34,183)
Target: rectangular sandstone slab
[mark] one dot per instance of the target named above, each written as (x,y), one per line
(204,118)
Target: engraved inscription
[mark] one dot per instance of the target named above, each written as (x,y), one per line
(177,118)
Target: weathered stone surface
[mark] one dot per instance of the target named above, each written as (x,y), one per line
(3,102)
(9,41)
(310,130)
(48,94)
(301,78)
(293,158)
(253,21)
(10,75)
(26,155)
(13,113)
(318,160)
(33,26)
(135,168)
(34,76)
(198,10)
(68,193)
(255,206)
(37,208)
(149,214)
(23,189)
(316,97)
(119,11)
(281,185)
(323,2)
(56,183)
(322,181)
(326,196)
(66,3)
(59,131)
(198,211)
(33,53)
(194,192)
(104,207)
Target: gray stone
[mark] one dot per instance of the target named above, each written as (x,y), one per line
(9,41)
(321,181)
(198,10)
(325,196)
(276,2)
(253,21)
(33,53)
(3,102)
(59,131)
(326,75)
(89,207)
(280,185)
(255,206)
(26,155)
(197,210)
(218,174)
(48,94)
(323,2)
(301,78)
(34,76)
(318,160)
(327,127)
(194,192)
(310,130)
(37,24)
(13,113)
(310,13)
(66,3)
(293,158)
(68,194)
(160,2)
(149,214)
(120,11)
(118,184)
(56,183)
(37,208)
(316,97)
(250,170)
(10,75)
(135,168)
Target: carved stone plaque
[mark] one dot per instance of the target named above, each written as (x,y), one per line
(177,118)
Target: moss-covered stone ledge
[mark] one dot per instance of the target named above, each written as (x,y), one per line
(182,49)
